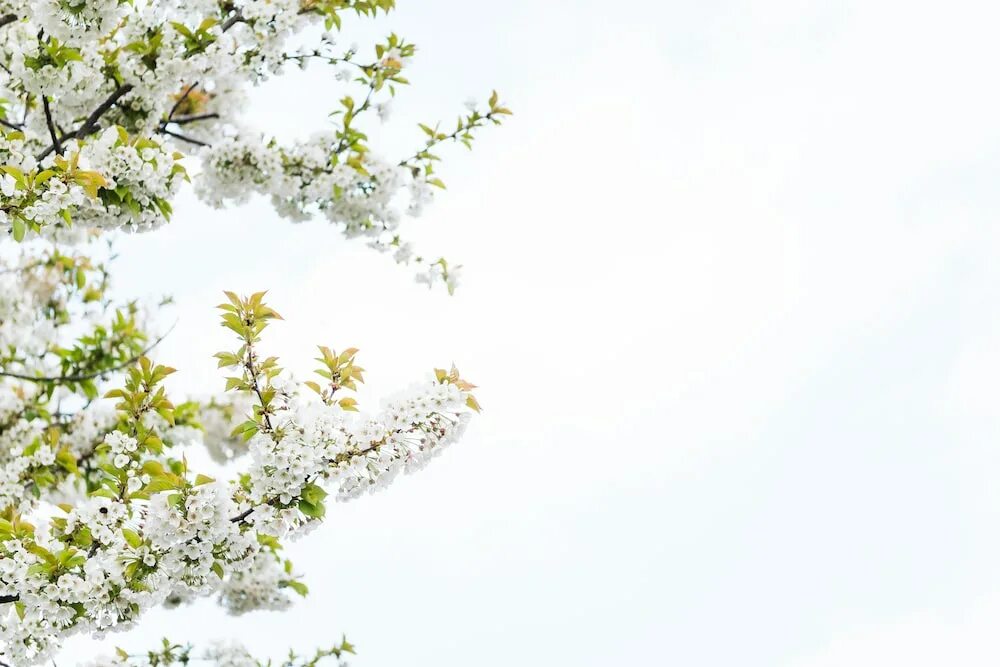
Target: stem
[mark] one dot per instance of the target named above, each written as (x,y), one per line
(178,135)
(232,20)
(51,125)
(184,120)
(255,383)
(90,124)
(242,515)
(62,379)
(431,143)
(180,100)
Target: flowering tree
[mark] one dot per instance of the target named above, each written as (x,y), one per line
(106,107)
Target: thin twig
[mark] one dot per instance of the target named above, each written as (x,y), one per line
(431,143)
(180,100)
(242,515)
(91,121)
(182,137)
(51,125)
(184,120)
(90,376)
(232,20)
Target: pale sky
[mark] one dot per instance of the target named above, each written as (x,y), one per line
(731,296)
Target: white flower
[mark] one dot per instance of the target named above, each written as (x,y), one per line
(7,185)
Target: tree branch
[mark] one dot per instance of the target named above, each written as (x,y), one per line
(178,135)
(180,101)
(4,599)
(90,124)
(184,120)
(233,20)
(91,121)
(7,19)
(89,376)
(51,125)
(242,515)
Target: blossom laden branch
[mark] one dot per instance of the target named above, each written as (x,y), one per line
(103,373)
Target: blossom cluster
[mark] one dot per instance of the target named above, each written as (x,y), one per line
(366,197)
(322,445)
(109,181)
(126,549)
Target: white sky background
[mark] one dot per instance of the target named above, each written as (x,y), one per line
(731,296)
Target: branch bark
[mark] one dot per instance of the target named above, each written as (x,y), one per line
(90,124)
(178,135)
(51,125)
(232,20)
(184,120)
(180,101)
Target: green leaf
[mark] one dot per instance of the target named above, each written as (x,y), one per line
(297,586)
(18,228)
(132,538)
(314,511)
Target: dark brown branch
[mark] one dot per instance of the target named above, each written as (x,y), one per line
(4,599)
(242,515)
(232,20)
(89,376)
(180,100)
(51,125)
(90,124)
(178,135)
(184,120)
(7,19)
(7,123)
